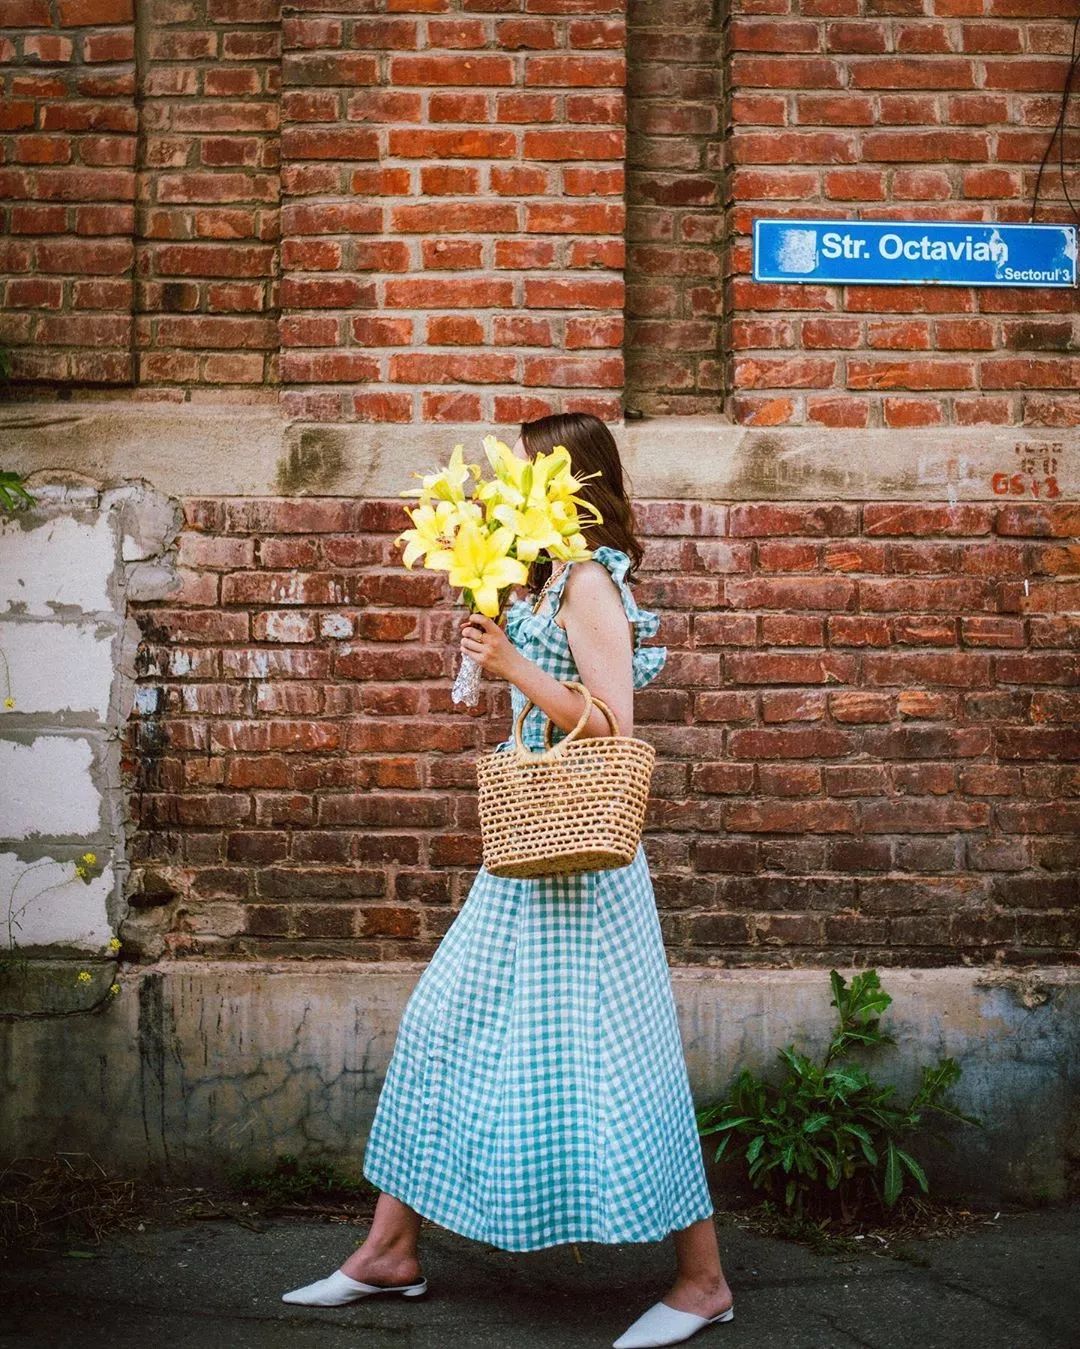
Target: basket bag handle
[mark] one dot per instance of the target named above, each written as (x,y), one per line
(553,751)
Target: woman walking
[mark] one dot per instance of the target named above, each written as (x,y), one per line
(538,1093)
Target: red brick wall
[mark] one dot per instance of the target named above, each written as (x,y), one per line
(453,220)
(674,208)
(897,109)
(451,183)
(866,732)
(208,193)
(67,186)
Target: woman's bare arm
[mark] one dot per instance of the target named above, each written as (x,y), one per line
(600,640)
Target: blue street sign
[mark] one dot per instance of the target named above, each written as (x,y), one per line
(900,253)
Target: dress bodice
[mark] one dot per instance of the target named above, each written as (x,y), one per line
(540,638)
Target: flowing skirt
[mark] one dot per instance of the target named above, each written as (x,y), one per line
(538,1091)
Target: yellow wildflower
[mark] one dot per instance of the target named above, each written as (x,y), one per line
(114,943)
(89,858)
(85,977)
(114,989)
(9,703)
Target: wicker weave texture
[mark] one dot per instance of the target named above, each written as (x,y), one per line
(577,806)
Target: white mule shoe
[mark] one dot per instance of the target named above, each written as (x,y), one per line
(662,1324)
(338,1288)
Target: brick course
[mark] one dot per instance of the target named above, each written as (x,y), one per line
(866,734)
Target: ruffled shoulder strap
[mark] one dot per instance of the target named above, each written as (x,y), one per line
(648,660)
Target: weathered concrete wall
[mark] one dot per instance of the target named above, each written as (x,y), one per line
(198,1066)
(251,451)
(68,568)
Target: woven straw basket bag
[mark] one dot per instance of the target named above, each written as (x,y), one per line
(576,806)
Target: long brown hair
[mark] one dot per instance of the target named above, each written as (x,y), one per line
(592,447)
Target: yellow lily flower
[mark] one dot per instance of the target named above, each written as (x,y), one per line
(485,532)
(563,486)
(533,529)
(482,565)
(527,483)
(506,486)
(572,548)
(503,459)
(434,528)
(565,517)
(446,484)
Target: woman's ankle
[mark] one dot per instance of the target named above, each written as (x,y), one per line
(389,1254)
(703,1283)
(394,1248)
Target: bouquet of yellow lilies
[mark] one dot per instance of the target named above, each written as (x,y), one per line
(484,532)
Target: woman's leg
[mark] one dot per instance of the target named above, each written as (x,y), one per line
(700,1285)
(388,1253)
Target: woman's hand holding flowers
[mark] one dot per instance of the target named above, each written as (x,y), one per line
(488,645)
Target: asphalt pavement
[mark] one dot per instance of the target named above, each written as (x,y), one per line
(1009,1283)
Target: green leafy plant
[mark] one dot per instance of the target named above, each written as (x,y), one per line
(13,495)
(827,1139)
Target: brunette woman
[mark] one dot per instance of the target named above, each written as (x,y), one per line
(538,1093)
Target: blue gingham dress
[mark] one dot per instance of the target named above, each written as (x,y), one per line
(538,1092)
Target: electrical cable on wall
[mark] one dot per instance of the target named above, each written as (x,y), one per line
(1060,128)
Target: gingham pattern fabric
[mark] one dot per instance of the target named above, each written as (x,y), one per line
(537,1092)
(547,644)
